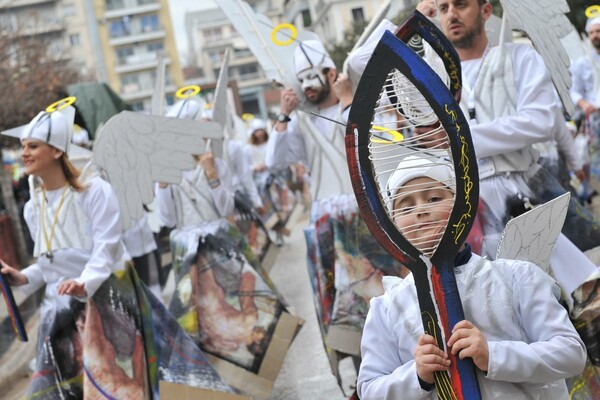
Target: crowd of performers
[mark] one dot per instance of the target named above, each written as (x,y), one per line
(104,333)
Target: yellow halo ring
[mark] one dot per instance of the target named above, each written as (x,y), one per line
(188,91)
(247,117)
(294,34)
(60,104)
(396,136)
(592,11)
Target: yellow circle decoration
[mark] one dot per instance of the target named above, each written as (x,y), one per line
(387,136)
(187,91)
(592,11)
(293,34)
(247,117)
(60,104)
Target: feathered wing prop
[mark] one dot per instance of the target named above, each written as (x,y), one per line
(136,150)
(158,97)
(220,105)
(545,23)
(277,61)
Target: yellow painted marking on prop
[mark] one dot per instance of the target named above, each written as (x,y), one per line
(247,117)
(395,135)
(60,104)
(592,11)
(443,384)
(293,34)
(187,91)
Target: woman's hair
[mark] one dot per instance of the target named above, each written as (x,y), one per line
(253,140)
(71,173)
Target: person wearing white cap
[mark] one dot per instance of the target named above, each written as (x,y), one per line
(77,233)
(214,269)
(342,254)
(515,330)
(585,93)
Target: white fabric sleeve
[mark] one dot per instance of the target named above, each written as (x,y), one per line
(382,374)
(165,205)
(285,148)
(223,195)
(247,177)
(578,87)
(32,272)
(102,208)
(555,350)
(535,117)
(566,146)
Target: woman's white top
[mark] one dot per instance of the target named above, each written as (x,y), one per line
(86,244)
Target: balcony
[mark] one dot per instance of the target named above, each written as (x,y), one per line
(137,35)
(138,62)
(118,9)
(23,3)
(133,92)
(40,27)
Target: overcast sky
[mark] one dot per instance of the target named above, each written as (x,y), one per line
(178,8)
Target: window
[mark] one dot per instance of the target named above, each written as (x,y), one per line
(212,34)
(155,47)
(150,23)
(249,71)
(8,22)
(120,27)
(216,56)
(69,10)
(75,39)
(306,19)
(358,15)
(137,106)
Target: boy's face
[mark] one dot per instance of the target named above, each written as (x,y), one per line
(421,210)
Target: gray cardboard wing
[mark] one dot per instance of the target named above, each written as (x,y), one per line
(531,236)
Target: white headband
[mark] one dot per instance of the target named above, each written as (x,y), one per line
(591,22)
(185,109)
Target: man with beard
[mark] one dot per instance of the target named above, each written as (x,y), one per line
(342,254)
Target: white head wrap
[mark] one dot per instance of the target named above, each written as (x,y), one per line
(55,128)
(591,22)
(185,109)
(256,124)
(413,167)
(311,54)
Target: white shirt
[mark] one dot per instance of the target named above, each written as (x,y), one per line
(582,73)
(88,266)
(533,345)
(221,198)
(242,175)
(139,239)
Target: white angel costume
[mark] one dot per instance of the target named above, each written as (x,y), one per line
(532,344)
(218,282)
(97,345)
(345,261)
(586,86)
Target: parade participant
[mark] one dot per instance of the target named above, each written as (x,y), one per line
(91,323)
(585,73)
(271,184)
(203,240)
(337,236)
(525,109)
(140,244)
(515,330)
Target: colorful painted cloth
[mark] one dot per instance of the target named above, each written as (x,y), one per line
(223,297)
(117,345)
(346,263)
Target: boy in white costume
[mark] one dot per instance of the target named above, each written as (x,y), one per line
(518,335)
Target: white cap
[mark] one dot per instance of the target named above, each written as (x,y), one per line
(185,109)
(413,167)
(55,128)
(311,54)
(591,22)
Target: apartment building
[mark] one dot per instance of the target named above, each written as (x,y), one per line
(132,34)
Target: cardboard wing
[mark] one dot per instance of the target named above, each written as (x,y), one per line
(531,236)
